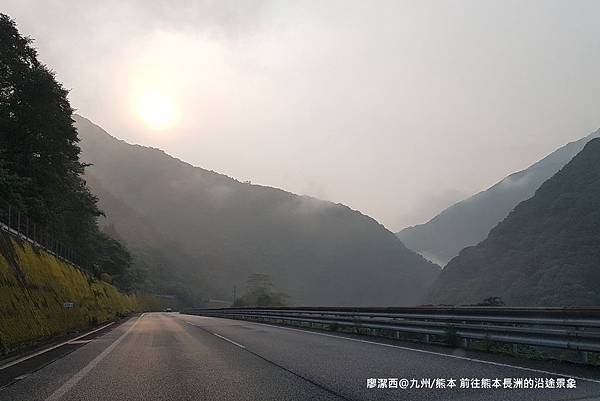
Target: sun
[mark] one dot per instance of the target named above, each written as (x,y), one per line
(156,109)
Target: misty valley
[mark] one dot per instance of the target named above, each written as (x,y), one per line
(320,253)
(355,240)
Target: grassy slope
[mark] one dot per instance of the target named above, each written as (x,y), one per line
(33,287)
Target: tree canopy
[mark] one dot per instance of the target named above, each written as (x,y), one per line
(40,170)
(260,292)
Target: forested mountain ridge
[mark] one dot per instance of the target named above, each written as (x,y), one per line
(318,252)
(468,222)
(545,253)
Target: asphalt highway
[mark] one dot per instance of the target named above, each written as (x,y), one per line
(172,357)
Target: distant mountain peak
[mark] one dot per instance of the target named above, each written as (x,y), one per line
(545,253)
(468,222)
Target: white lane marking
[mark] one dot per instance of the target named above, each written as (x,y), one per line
(80,342)
(72,341)
(228,340)
(62,390)
(218,335)
(464,358)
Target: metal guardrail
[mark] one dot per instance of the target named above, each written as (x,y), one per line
(565,328)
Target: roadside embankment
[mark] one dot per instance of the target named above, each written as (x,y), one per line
(42,296)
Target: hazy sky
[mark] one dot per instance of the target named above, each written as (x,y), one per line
(396,108)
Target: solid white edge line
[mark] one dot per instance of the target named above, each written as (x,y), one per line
(69,384)
(8,365)
(464,358)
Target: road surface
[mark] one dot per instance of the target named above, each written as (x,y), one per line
(172,357)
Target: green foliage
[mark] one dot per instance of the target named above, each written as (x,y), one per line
(38,140)
(110,255)
(260,292)
(40,170)
(451,336)
(545,253)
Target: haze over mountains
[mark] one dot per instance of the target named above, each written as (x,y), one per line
(195,234)
(545,253)
(222,230)
(159,262)
(468,222)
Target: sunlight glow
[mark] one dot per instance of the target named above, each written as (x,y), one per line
(156,109)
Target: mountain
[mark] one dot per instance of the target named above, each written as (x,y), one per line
(167,270)
(318,252)
(468,222)
(545,253)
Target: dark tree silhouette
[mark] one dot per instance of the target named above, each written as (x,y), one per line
(40,170)
(259,292)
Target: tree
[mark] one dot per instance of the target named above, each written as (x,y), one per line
(38,141)
(259,292)
(40,170)
(112,257)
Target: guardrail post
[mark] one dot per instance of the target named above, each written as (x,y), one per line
(585,357)
(427,338)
